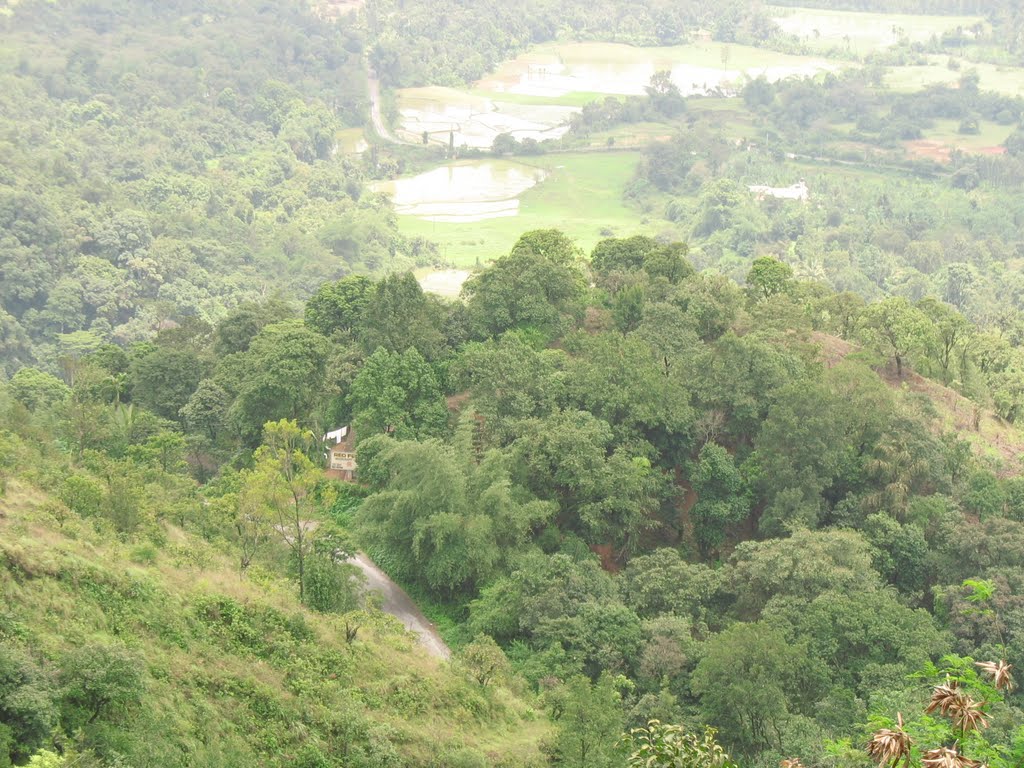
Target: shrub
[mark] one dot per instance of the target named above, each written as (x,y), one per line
(101,681)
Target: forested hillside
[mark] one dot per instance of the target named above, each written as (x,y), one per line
(734,479)
(161,159)
(663,496)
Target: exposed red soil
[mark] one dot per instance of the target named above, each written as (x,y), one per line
(930,150)
(941,152)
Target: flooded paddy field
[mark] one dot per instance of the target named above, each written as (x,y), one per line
(536,94)
(615,69)
(474,121)
(463,192)
(581,194)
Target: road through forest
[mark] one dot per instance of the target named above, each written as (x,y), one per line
(401,606)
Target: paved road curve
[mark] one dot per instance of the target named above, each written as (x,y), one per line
(399,605)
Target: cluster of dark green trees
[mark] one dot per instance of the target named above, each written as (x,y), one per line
(790,541)
(640,480)
(782,543)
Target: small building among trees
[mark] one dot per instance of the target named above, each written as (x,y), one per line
(341,454)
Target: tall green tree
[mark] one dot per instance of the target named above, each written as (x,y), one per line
(397,393)
(723,498)
(285,477)
(280,376)
(896,329)
(752,680)
(339,306)
(398,316)
(588,718)
(769,276)
(538,286)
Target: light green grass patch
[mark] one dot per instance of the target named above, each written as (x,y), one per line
(1006,80)
(991,134)
(632,135)
(862,33)
(573,99)
(582,196)
(694,54)
(352,141)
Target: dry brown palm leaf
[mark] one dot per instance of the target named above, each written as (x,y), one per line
(947,757)
(889,745)
(999,674)
(945,697)
(793,762)
(967,715)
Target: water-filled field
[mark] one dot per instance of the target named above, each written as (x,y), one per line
(447,115)
(535,95)
(863,33)
(463,192)
(611,68)
(581,194)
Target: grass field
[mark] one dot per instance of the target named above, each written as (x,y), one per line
(862,33)
(991,135)
(1005,80)
(582,196)
(696,54)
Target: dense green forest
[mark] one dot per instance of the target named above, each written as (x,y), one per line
(746,492)
(663,496)
(162,159)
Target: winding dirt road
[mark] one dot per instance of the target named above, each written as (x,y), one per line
(381,127)
(399,605)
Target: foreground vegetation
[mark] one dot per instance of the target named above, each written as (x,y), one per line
(648,499)
(136,643)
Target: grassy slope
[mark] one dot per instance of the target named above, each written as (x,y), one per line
(237,675)
(994,440)
(582,196)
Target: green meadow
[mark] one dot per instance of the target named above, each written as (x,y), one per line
(990,134)
(862,32)
(1001,79)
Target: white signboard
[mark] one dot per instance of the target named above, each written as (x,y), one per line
(344,461)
